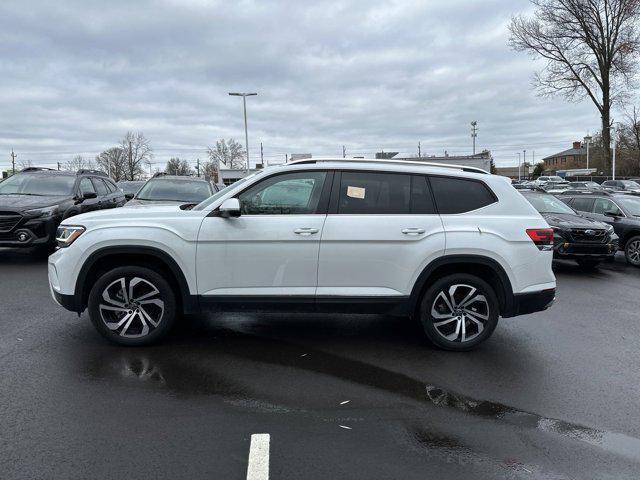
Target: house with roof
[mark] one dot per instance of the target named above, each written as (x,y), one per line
(573,158)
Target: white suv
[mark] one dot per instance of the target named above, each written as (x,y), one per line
(454,246)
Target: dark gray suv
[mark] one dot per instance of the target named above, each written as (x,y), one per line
(620,210)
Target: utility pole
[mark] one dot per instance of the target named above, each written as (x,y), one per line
(519,166)
(198,166)
(286,158)
(344,152)
(246,134)
(419,152)
(13,161)
(262,155)
(474,134)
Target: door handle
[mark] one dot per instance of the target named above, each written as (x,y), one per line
(305,231)
(413,231)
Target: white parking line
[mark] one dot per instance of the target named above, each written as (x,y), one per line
(258,467)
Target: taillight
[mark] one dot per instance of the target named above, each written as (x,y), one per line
(542,237)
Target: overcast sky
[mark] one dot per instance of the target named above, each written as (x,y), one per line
(370,75)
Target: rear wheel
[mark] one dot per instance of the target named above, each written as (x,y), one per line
(132,306)
(632,251)
(459,311)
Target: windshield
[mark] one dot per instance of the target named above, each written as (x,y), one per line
(556,179)
(548,204)
(38,184)
(630,204)
(222,192)
(130,188)
(167,189)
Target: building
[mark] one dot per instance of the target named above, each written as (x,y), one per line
(232,175)
(515,172)
(481,160)
(573,158)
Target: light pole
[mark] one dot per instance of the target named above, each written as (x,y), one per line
(613,166)
(246,134)
(518,166)
(587,140)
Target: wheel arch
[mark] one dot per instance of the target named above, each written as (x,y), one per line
(484,267)
(107,258)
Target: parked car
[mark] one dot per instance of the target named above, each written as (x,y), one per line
(130,187)
(35,201)
(173,190)
(620,210)
(585,185)
(621,185)
(574,237)
(555,188)
(544,179)
(453,246)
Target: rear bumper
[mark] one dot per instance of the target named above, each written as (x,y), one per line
(525,303)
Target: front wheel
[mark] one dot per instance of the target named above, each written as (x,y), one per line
(632,251)
(459,311)
(132,306)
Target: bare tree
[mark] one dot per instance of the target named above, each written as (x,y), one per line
(138,154)
(79,162)
(229,153)
(25,164)
(590,48)
(629,141)
(113,161)
(212,170)
(175,166)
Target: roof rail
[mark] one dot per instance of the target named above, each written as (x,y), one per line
(389,161)
(37,169)
(88,171)
(599,193)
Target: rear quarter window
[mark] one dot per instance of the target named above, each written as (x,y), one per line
(460,195)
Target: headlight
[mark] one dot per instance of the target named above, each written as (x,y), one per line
(66,235)
(43,212)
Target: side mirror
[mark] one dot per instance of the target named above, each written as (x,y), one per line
(128,196)
(86,196)
(230,208)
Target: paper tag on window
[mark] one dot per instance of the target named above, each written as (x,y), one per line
(355,192)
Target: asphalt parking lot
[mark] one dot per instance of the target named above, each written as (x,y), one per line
(551,395)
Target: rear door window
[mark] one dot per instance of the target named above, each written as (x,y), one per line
(460,195)
(363,193)
(581,204)
(101,188)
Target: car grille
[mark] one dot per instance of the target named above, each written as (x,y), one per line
(8,220)
(589,235)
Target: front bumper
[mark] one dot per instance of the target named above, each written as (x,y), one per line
(569,250)
(31,232)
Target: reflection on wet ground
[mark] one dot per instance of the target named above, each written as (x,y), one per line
(201,367)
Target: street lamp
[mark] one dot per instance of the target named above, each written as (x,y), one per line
(613,166)
(518,166)
(587,141)
(246,135)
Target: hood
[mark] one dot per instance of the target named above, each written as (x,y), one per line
(16,201)
(140,213)
(137,202)
(568,220)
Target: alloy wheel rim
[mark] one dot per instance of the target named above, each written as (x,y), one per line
(460,313)
(633,252)
(131,307)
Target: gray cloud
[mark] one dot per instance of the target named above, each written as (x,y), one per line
(370,75)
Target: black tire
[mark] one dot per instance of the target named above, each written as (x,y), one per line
(144,311)
(588,263)
(432,301)
(632,251)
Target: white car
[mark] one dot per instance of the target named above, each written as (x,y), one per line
(453,246)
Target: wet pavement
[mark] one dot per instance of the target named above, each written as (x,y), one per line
(551,395)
